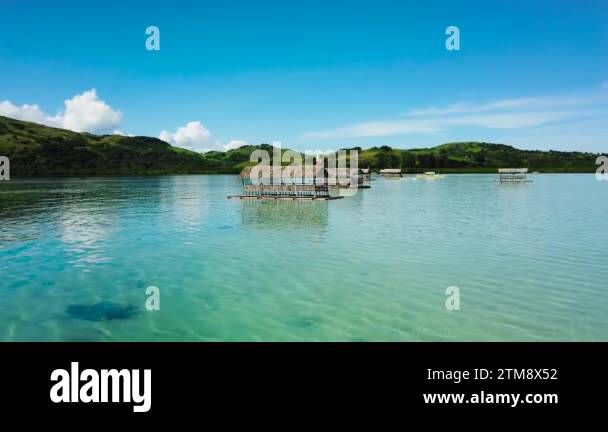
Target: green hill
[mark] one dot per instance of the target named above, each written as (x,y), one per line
(36,150)
(476,157)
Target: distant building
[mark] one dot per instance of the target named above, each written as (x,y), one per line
(513,175)
(430,175)
(294,183)
(366,173)
(391,172)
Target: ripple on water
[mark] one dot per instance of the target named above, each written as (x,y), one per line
(76,256)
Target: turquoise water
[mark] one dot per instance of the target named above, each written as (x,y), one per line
(529,260)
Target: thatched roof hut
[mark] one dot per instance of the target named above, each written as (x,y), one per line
(391,172)
(295,183)
(289,174)
(513,175)
(512,170)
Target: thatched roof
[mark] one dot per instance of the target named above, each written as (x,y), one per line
(512,170)
(245,172)
(287,171)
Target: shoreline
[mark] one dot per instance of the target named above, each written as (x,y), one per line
(126,175)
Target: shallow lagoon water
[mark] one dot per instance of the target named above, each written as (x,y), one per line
(76,256)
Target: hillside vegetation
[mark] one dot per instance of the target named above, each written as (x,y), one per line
(36,150)
(476,157)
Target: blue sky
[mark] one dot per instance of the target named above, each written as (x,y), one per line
(314,74)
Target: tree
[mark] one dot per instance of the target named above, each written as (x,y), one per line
(380,160)
(407,160)
(392,160)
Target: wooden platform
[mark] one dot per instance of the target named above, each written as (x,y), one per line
(361,186)
(282,198)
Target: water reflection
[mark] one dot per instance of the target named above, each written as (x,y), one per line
(186,199)
(367,267)
(84,232)
(285,214)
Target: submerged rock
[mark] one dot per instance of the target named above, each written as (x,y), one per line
(304,322)
(103,311)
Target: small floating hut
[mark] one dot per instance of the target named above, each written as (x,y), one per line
(391,172)
(366,173)
(294,184)
(513,175)
(430,175)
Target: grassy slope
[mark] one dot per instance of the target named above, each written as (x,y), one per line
(476,157)
(40,150)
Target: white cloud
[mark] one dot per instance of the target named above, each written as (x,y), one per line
(83,113)
(121,133)
(234,144)
(529,103)
(376,129)
(513,120)
(167,137)
(194,136)
(517,113)
(25,112)
(86,112)
(509,120)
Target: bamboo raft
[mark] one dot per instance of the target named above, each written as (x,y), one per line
(513,175)
(298,191)
(283,198)
(295,186)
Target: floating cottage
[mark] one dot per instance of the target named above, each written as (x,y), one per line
(366,173)
(513,175)
(430,175)
(391,172)
(294,184)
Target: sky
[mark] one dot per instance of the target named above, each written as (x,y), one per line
(314,75)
